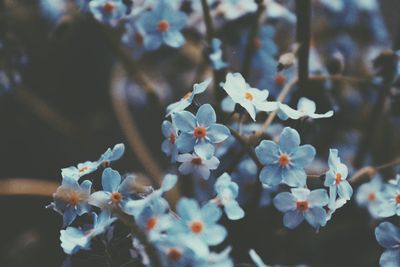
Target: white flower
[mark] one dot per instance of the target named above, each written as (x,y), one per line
(305,108)
(197,166)
(252,99)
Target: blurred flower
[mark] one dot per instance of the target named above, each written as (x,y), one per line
(71,199)
(215,56)
(252,99)
(305,108)
(187,99)
(284,162)
(108,11)
(196,165)
(199,132)
(162,25)
(369,195)
(388,236)
(168,146)
(390,200)
(233,9)
(302,204)
(227,192)
(134,39)
(174,251)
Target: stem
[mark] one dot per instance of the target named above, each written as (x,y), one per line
(339,78)
(27,187)
(250,48)
(303,36)
(139,234)
(369,171)
(208,21)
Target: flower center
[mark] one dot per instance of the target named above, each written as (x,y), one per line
(338,178)
(174,254)
(138,38)
(280,79)
(116,197)
(283,160)
(105,163)
(200,132)
(186,97)
(172,138)
(74,198)
(371,196)
(197,161)
(151,223)
(302,205)
(257,43)
(398,199)
(196,227)
(108,7)
(163,25)
(248,96)
(83,169)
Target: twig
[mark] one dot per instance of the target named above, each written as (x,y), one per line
(27,187)
(338,78)
(369,171)
(207,20)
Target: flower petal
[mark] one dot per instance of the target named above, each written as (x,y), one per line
(206,115)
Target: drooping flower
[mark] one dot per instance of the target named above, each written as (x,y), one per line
(252,99)
(71,199)
(199,132)
(227,191)
(196,165)
(305,108)
(390,204)
(108,11)
(187,99)
(302,204)
(168,146)
(369,195)
(336,176)
(284,162)
(74,239)
(112,155)
(162,25)
(388,236)
(215,57)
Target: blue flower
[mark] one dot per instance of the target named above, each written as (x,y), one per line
(108,11)
(174,251)
(252,99)
(74,239)
(388,236)
(369,195)
(305,108)
(134,39)
(302,204)
(162,26)
(215,56)
(336,177)
(71,199)
(112,155)
(200,132)
(227,191)
(200,224)
(115,193)
(168,146)
(197,166)
(284,162)
(187,99)
(390,200)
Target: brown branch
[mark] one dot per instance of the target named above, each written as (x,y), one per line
(27,187)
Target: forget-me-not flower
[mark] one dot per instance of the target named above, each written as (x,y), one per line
(369,195)
(227,191)
(199,132)
(162,25)
(174,252)
(108,11)
(168,146)
(252,99)
(388,236)
(390,204)
(284,162)
(134,39)
(305,108)
(302,204)
(196,165)
(112,155)
(215,56)
(187,99)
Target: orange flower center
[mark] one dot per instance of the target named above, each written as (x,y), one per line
(248,96)
(172,138)
(283,160)
(280,79)
(174,254)
(138,38)
(398,199)
(74,198)
(371,196)
(338,178)
(197,161)
(116,197)
(200,132)
(196,227)
(163,25)
(257,43)
(108,7)
(302,205)
(151,223)
(83,169)
(185,97)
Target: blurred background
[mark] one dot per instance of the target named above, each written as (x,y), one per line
(56,110)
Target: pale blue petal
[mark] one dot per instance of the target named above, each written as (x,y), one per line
(316,216)
(214,234)
(206,115)
(345,190)
(173,39)
(233,210)
(390,258)
(292,219)
(185,142)
(285,202)
(303,156)
(184,121)
(218,133)
(294,177)
(204,149)
(388,235)
(267,152)
(169,182)
(199,88)
(100,199)
(188,209)
(210,213)
(289,140)
(271,175)
(318,197)
(110,180)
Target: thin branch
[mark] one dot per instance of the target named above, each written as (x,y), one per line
(339,78)
(207,20)
(369,171)
(27,187)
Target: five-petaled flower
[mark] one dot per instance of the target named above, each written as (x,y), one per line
(302,204)
(199,132)
(369,195)
(252,99)
(284,162)
(388,236)
(390,204)
(108,11)
(196,165)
